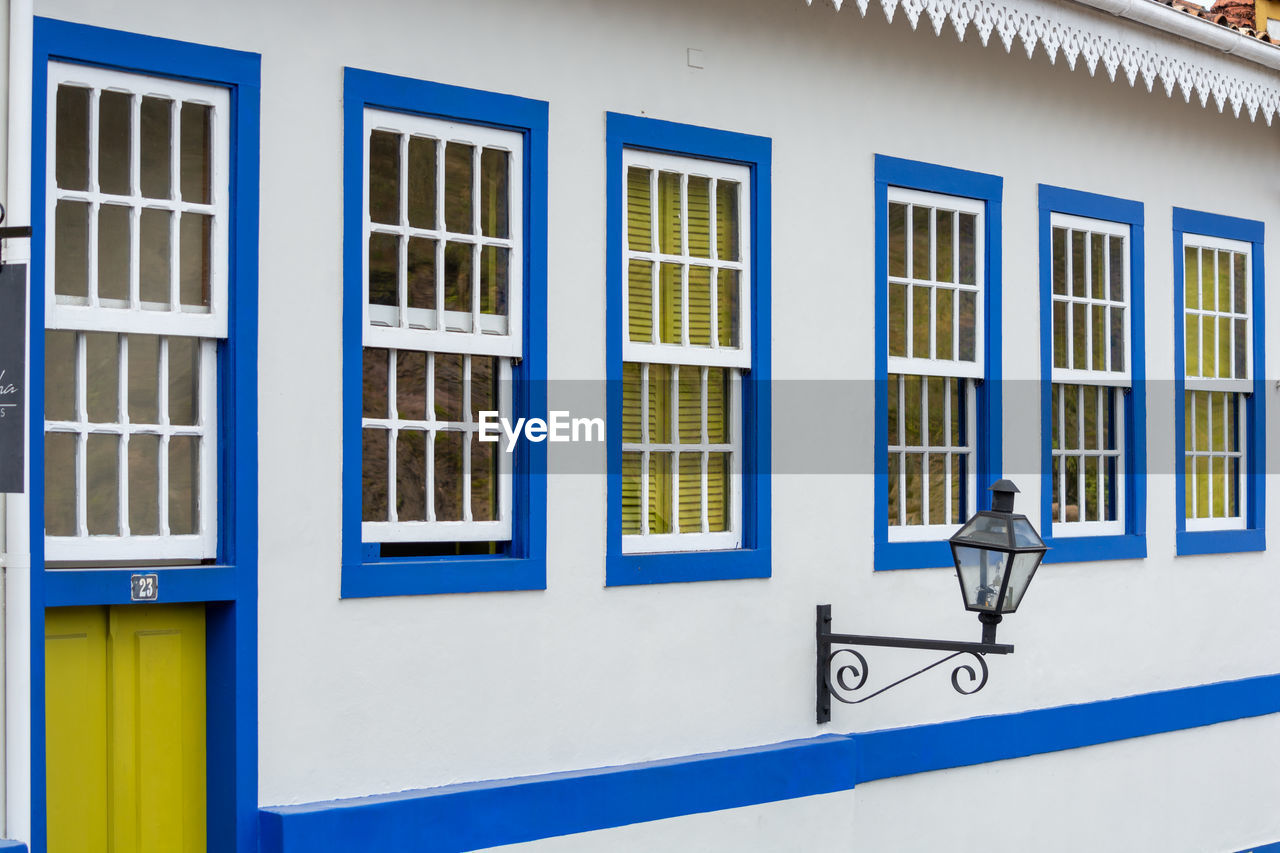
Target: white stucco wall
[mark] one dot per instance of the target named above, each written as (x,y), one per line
(366,696)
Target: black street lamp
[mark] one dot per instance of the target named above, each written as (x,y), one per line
(996,553)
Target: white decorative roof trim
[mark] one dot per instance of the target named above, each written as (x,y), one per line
(1120,46)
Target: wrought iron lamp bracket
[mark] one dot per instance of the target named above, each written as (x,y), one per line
(852,676)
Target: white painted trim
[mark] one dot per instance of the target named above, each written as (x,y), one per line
(1242,76)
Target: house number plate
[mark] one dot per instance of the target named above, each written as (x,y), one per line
(144,587)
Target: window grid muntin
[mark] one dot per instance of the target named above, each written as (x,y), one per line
(931,365)
(432,530)
(1108,374)
(66,312)
(654,351)
(1226,426)
(1107,446)
(706,539)
(163,545)
(402,327)
(958,393)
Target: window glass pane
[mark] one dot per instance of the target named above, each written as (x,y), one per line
(1116,259)
(898,320)
(411,475)
(1117,338)
(494,271)
(184,484)
(1192,335)
(1225,349)
(459,168)
(1204,506)
(411,389)
(631,373)
(72,153)
(1242,352)
(717,405)
(448,388)
(376,386)
(669,241)
(384,177)
(920,326)
(113,251)
(144,485)
(484,481)
(639,212)
(384,262)
(1090,420)
(640,301)
(153,257)
(968,249)
(895,490)
(197,234)
(144,379)
(71,249)
(157,142)
(945,246)
(689,411)
(483,385)
(373,487)
(938,502)
(944,325)
(700,306)
(897,239)
(1071,482)
(690,487)
(494,192)
(457,283)
(102,483)
(958,486)
(937,411)
(1091,484)
(959,397)
(422,183)
(184,381)
(197,154)
(102,388)
(727,224)
(660,516)
(1224,281)
(448,475)
(631,494)
(60,484)
(727,306)
(1241,283)
(1099,329)
(1079,265)
(1080,336)
(1059,334)
(1097,257)
(114,154)
(968,325)
(1059,241)
(717,492)
(699,204)
(59,376)
(669,296)
(921,232)
(915,483)
(1208,351)
(422,273)
(659,403)
(1208,280)
(1191,276)
(913,410)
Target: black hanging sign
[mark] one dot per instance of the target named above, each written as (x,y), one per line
(13,358)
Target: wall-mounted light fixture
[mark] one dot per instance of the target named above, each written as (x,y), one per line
(996,554)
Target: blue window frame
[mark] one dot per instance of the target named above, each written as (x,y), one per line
(1095,410)
(966,377)
(517,557)
(1221,301)
(748,554)
(228,588)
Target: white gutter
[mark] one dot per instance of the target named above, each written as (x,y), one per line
(17,546)
(1170,20)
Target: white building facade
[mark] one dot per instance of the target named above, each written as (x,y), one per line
(824,274)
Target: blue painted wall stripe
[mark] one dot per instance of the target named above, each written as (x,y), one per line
(485,814)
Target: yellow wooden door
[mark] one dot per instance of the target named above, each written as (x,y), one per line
(125,729)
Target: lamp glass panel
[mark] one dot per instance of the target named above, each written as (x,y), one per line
(985,530)
(1024,566)
(981,575)
(1024,535)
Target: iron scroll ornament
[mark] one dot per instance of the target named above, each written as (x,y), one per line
(851,677)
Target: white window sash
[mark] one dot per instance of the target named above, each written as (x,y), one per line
(1201,241)
(665,353)
(1089,376)
(930,532)
(975,369)
(381,321)
(133,317)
